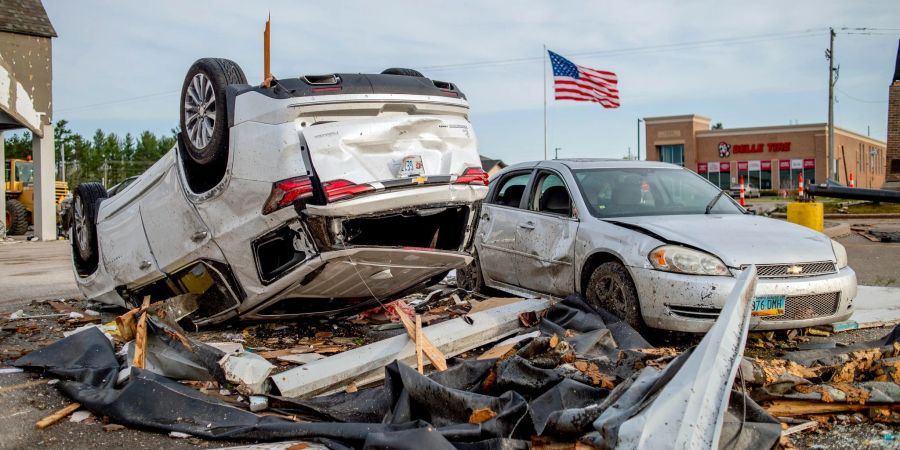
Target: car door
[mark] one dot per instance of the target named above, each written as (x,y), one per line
(174,229)
(546,235)
(500,214)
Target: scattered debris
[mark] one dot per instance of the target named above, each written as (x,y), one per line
(250,371)
(57,416)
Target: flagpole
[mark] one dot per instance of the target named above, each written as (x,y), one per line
(544,68)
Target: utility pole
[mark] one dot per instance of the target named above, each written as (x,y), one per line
(639,138)
(556,152)
(832,79)
(63,160)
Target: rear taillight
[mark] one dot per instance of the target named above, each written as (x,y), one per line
(473,175)
(286,192)
(338,189)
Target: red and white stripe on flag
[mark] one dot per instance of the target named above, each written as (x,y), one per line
(574,82)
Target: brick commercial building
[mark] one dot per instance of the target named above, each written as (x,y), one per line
(771,157)
(893,129)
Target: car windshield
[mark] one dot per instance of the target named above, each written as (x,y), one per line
(623,192)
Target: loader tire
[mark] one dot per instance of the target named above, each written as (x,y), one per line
(86,203)
(16,217)
(204,109)
(611,288)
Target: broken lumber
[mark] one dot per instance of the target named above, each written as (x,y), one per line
(452,337)
(57,416)
(420,339)
(438,360)
(126,324)
(140,337)
(792,408)
(798,428)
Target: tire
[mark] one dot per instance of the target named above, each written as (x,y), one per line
(470,278)
(611,288)
(16,217)
(203,108)
(402,71)
(85,204)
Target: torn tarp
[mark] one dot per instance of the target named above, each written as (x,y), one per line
(555,385)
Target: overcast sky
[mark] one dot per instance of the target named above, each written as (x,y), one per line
(119,65)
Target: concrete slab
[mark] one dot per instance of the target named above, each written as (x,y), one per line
(876,304)
(35,271)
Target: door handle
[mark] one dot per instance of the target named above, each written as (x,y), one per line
(527,225)
(199,236)
(485,217)
(144,265)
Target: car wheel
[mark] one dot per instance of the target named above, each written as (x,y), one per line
(84,225)
(470,278)
(402,71)
(16,217)
(610,287)
(204,115)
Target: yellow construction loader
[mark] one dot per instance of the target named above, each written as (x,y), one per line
(20,195)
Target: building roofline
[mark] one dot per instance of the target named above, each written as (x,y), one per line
(798,128)
(861,137)
(683,117)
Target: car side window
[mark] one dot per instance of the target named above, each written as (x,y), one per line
(551,195)
(511,189)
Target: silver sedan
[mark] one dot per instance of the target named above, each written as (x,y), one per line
(653,243)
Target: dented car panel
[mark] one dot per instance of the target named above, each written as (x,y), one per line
(313,255)
(556,254)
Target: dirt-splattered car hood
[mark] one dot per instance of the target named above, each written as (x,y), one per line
(739,239)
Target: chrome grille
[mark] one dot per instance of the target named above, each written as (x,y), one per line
(784,270)
(801,307)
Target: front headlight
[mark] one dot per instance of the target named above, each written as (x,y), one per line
(673,258)
(840,254)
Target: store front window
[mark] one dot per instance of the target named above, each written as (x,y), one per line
(673,154)
(757,174)
(718,173)
(790,170)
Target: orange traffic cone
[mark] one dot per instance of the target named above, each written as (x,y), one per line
(742,191)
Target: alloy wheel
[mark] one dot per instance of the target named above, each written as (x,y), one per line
(200,110)
(82,237)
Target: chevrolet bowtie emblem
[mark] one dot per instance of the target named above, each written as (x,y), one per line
(794,270)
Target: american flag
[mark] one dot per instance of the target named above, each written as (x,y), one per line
(574,82)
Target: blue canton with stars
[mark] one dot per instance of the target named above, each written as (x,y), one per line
(562,67)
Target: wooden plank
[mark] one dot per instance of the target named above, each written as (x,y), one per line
(791,408)
(57,416)
(140,336)
(451,337)
(798,428)
(420,338)
(438,360)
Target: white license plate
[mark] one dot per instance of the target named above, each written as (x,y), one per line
(768,305)
(410,166)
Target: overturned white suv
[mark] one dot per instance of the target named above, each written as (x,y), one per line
(315,195)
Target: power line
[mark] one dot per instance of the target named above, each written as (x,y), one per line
(113,102)
(643,49)
(859,99)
